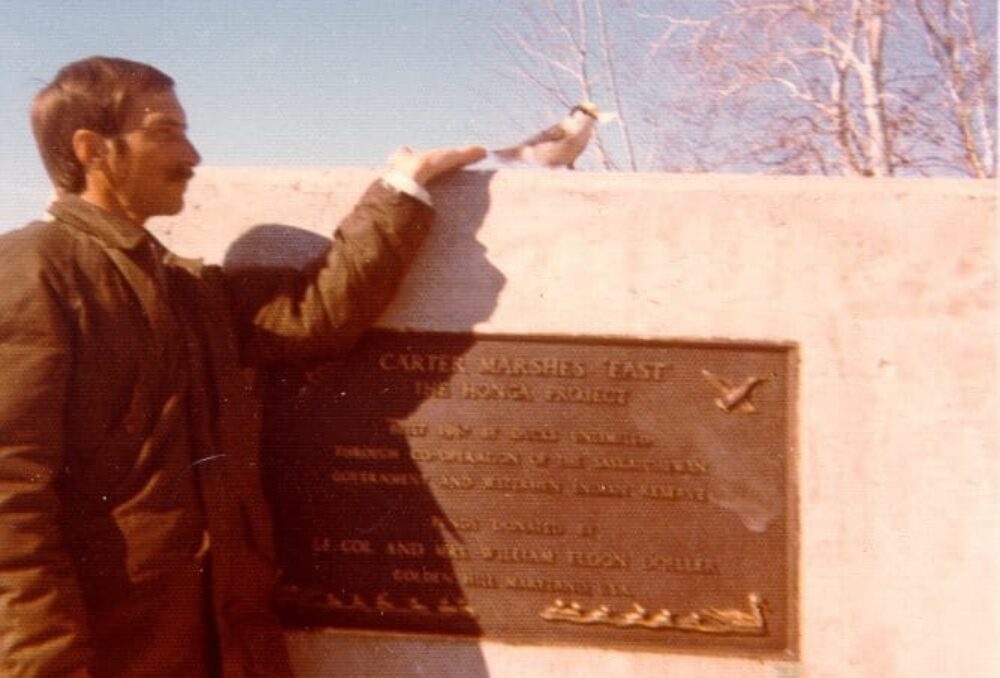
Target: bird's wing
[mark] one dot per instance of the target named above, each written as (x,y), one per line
(718,382)
(554,133)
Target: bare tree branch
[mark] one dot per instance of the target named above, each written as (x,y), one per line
(615,90)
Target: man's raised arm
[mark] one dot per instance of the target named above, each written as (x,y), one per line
(297,317)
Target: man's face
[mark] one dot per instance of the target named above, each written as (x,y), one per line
(151,160)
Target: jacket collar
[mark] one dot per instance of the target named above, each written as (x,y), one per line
(111,230)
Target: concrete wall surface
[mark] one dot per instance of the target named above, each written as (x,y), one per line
(888,287)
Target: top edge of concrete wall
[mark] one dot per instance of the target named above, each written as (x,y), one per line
(687,182)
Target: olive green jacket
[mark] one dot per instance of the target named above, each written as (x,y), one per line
(130,494)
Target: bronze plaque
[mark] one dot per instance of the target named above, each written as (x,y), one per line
(605,492)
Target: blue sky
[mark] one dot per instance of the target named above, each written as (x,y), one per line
(278,83)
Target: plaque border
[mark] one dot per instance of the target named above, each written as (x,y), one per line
(793,555)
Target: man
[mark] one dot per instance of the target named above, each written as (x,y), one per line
(133,535)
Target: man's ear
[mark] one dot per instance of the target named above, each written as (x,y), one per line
(90,148)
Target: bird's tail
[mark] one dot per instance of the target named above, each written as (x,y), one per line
(509,154)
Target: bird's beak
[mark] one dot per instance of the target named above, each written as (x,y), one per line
(608,116)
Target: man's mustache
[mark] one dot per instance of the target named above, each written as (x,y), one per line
(181,174)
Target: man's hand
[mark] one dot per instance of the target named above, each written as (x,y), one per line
(426,166)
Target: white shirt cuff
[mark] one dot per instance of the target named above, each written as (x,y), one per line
(405,184)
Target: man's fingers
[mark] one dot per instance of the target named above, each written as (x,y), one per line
(400,154)
(443,160)
(466,155)
(426,166)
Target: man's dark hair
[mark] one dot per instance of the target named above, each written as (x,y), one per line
(92,94)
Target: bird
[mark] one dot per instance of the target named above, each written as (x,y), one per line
(734,397)
(561,144)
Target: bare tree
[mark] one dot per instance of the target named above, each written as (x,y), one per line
(808,75)
(844,86)
(951,29)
